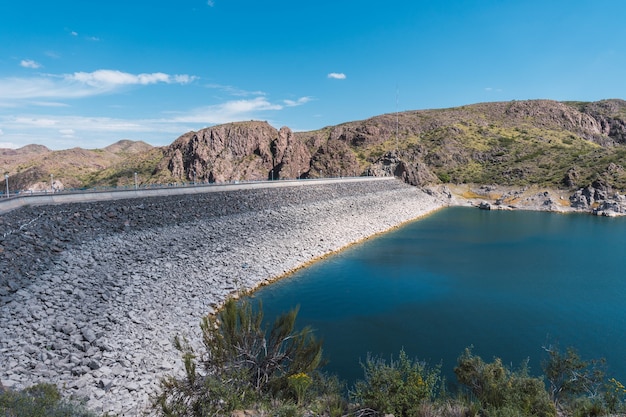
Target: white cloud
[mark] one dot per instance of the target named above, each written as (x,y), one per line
(299,102)
(35,121)
(67,132)
(337,75)
(80,84)
(234,91)
(102,78)
(29,63)
(230,111)
(39,87)
(48,104)
(1,132)
(210,3)
(8,145)
(93,38)
(184,79)
(74,33)
(63,132)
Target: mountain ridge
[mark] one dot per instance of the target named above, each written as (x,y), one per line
(516,143)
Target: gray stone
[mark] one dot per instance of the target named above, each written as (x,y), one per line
(132,386)
(88,334)
(105,384)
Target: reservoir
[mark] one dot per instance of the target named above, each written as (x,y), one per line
(505,282)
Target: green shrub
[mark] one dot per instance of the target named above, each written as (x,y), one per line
(327,395)
(41,400)
(501,391)
(242,364)
(287,410)
(396,387)
(614,396)
(586,407)
(444,177)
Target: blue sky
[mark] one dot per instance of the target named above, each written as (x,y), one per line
(83,73)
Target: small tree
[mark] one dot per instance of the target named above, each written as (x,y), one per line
(241,363)
(570,376)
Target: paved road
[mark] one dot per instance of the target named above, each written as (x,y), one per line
(9,204)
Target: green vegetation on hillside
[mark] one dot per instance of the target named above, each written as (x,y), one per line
(123,172)
(541,142)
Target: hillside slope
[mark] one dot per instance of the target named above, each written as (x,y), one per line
(567,145)
(513,143)
(37,168)
(517,143)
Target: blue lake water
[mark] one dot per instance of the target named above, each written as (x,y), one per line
(505,282)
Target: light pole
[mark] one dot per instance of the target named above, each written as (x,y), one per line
(6,180)
(136,184)
(51,183)
(272,174)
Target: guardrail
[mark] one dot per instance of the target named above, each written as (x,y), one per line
(65,197)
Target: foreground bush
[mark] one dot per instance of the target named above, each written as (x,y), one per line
(242,364)
(41,400)
(397,387)
(501,391)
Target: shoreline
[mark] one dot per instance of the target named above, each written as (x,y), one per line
(99,320)
(336,251)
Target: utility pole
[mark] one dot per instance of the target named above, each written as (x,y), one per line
(6,180)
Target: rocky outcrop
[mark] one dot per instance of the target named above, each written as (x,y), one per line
(611,118)
(237,151)
(394,164)
(600,199)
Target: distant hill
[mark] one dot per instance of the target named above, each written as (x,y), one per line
(544,142)
(33,167)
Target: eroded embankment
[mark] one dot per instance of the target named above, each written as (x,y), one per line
(91,295)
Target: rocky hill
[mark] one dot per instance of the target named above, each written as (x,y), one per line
(512,143)
(567,145)
(235,151)
(37,168)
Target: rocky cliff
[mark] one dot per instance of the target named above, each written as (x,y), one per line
(236,151)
